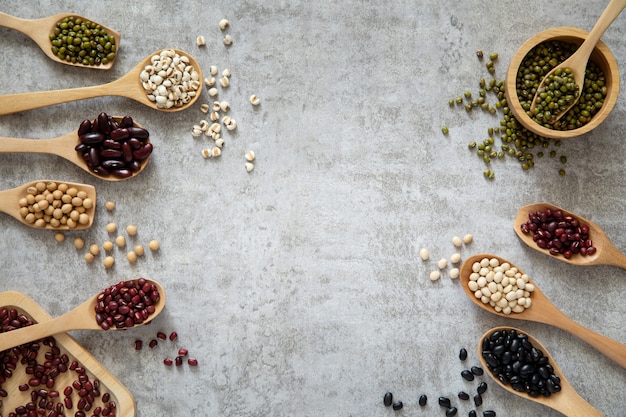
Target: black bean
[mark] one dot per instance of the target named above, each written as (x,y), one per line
(472,413)
(489,413)
(482,388)
(397,405)
(478,400)
(463,354)
(477,370)
(444,402)
(467,375)
(451,412)
(423,400)
(387,399)
(463,396)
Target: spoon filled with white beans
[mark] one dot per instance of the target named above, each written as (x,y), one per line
(92,144)
(52,205)
(499,287)
(95,53)
(168,80)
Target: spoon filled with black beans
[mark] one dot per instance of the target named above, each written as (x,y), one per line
(112,148)
(520,364)
(495,284)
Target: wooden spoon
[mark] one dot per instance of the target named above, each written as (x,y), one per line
(82,317)
(606,254)
(543,311)
(9,203)
(566,401)
(39,30)
(61,146)
(128,86)
(577,62)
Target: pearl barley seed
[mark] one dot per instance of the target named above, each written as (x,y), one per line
(249,166)
(200,41)
(223,24)
(254,100)
(228,40)
(250,156)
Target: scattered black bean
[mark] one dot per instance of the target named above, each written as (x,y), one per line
(489,413)
(423,400)
(463,354)
(477,370)
(467,375)
(451,412)
(444,402)
(482,388)
(397,405)
(472,413)
(478,400)
(387,399)
(464,396)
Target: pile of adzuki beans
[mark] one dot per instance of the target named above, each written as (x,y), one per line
(126,304)
(559,233)
(113,148)
(82,398)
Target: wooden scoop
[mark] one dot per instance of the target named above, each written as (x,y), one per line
(62,146)
(39,30)
(606,254)
(129,86)
(9,204)
(543,311)
(566,401)
(82,317)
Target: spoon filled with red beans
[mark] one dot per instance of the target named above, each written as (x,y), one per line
(120,306)
(112,148)
(566,236)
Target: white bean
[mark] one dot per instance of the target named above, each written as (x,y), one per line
(424,254)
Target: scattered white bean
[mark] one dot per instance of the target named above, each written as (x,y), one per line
(435,275)
(456,241)
(454,273)
(443,262)
(468,238)
(455,258)
(424,254)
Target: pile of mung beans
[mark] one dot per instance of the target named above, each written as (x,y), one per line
(537,64)
(81,41)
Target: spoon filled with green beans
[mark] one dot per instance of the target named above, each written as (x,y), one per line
(69,39)
(167,80)
(561,88)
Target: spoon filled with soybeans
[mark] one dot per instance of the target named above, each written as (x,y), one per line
(107,310)
(499,287)
(91,45)
(52,205)
(566,236)
(168,80)
(501,343)
(120,153)
(571,72)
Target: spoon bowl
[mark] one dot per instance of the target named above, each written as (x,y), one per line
(62,146)
(82,317)
(601,56)
(129,86)
(567,401)
(543,311)
(606,254)
(9,204)
(39,31)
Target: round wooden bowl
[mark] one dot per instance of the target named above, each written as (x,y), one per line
(601,56)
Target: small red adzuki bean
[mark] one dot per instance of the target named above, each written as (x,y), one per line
(167,362)
(183,352)
(173,336)
(192,362)
(161,336)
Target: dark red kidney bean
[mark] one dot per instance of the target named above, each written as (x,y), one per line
(126,121)
(93,138)
(423,400)
(112,164)
(81,147)
(444,402)
(23,387)
(103,123)
(138,132)
(138,344)
(94,157)
(111,144)
(122,173)
(143,152)
(127,153)
(110,153)
(119,134)
(85,127)
(134,143)
(387,399)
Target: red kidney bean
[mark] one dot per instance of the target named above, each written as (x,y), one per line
(143,152)
(85,127)
(108,153)
(92,138)
(138,132)
(120,134)
(126,121)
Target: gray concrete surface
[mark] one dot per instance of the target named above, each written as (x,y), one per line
(298,286)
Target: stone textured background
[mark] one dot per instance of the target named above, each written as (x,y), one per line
(298,286)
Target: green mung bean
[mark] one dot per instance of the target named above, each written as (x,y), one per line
(81,41)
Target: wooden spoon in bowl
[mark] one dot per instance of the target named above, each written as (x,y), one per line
(62,146)
(129,86)
(82,317)
(566,401)
(39,30)
(578,61)
(606,253)
(9,204)
(543,311)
